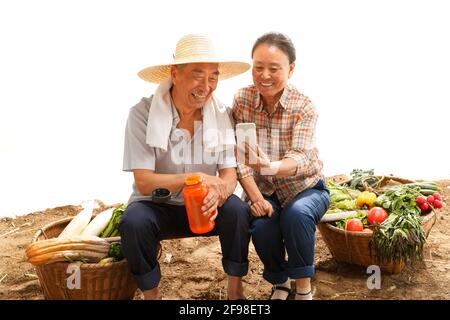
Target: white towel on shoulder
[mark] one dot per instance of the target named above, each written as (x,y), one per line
(218,133)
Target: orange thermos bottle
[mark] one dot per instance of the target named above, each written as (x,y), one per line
(193,193)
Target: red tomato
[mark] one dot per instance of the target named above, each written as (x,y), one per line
(354,224)
(437,196)
(376,214)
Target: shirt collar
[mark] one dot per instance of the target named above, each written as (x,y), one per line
(285,97)
(283,102)
(175,115)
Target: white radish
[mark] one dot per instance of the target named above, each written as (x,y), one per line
(81,220)
(98,224)
(329,217)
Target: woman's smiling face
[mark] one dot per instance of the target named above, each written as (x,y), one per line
(271,70)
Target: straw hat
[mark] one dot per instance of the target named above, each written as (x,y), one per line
(194,48)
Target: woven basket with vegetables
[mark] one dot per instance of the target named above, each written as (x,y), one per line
(74,263)
(385,222)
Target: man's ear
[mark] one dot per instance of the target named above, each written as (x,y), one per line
(291,69)
(173,73)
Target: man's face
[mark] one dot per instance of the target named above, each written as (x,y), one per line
(194,83)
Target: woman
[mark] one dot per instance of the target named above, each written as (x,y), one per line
(282,175)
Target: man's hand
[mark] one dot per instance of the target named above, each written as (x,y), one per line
(261,208)
(210,204)
(216,184)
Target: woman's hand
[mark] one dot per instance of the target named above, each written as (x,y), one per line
(260,162)
(261,208)
(256,158)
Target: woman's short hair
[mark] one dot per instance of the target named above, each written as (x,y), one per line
(279,40)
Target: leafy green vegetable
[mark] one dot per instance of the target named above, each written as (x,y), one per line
(342,198)
(347,205)
(115,251)
(112,229)
(401,235)
(361,179)
(400,200)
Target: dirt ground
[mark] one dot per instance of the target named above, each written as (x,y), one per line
(195,271)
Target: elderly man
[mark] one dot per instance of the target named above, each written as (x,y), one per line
(182,130)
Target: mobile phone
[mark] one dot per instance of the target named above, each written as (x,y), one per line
(245,133)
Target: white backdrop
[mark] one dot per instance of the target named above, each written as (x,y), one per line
(378,72)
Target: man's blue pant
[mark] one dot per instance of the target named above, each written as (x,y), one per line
(290,229)
(145,223)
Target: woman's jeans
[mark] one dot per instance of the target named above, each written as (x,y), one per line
(290,229)
(145,223)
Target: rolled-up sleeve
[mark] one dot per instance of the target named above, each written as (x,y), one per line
(226,159)
(137,153)
(243,171)
(303,140)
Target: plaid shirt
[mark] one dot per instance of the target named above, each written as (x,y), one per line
(290,131)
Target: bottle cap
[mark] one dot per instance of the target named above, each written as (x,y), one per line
(192,180)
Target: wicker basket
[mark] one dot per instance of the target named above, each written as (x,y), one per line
(353,247)
(98,282)
(382,180)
